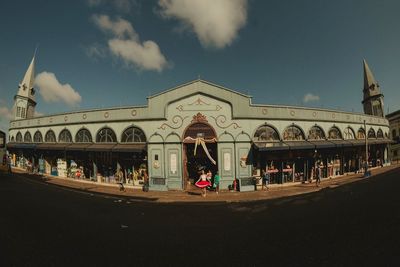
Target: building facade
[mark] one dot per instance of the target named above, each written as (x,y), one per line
(200,125)
(394,124)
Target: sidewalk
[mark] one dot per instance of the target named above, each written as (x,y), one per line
(194,195)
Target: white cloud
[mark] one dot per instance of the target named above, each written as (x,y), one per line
(310,98)
(38,114)
(53,91)
(215,22)
(145,56)
(127,45)
(96,51)
(119,27)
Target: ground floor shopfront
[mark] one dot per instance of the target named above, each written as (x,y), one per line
(187,159)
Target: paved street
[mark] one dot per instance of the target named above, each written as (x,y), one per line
(354,224)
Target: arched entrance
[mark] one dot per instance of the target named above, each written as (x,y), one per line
(199,149)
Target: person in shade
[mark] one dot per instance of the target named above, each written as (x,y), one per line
(318,175)
(217,178)
(202,183)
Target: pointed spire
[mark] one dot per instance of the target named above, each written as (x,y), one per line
(369,79)
(26,86)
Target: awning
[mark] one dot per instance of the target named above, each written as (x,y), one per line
(77,146)
(138,147)
(21,146)
(271,146)
(357,142)
(100,147)
(303,144)
(322,143)
(341,143)
(52,146)
(379,141)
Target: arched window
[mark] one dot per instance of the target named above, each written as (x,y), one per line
(334,133)
(37,137)
(293,133)
(266,133)
(379,133)
(12,139)
(106,135)
(28,137)
(83,136)
(65,136)
(19,137)
(348,133)
(361,134)
(50,137)
(371,133)
(316,133)
(133,135)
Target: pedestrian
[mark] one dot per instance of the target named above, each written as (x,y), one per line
(318,175)
(9,164)
(265,180)
(120,176)
(217,178)
(202,183)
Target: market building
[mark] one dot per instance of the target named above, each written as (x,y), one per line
(194,126)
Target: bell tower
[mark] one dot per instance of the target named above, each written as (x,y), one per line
(24,100)
(373,98)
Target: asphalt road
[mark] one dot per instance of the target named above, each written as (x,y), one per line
(356,224)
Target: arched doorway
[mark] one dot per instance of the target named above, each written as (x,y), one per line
(198,137)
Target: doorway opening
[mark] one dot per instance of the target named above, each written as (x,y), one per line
(200,151)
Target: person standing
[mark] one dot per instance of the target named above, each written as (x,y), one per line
(9,164)
(202,183)
(120,177)
(265,180)
(217,178)
(318,175)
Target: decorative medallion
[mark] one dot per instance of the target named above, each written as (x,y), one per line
(292,113)
(221,119)
(314,114)
(84,116)
(156,164)
(264,111)
(199,118)
(176,120)
(333,115)
(66,118)
(133,112)
(106,115)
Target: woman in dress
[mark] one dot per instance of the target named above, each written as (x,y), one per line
(202,183)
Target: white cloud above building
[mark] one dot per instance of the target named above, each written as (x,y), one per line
(125,44)
(52,90)
(309,97)
(215,22)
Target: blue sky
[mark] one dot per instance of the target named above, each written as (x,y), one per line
(118,52)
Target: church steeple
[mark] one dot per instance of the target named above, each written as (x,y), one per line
(373,98)
(24,100)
